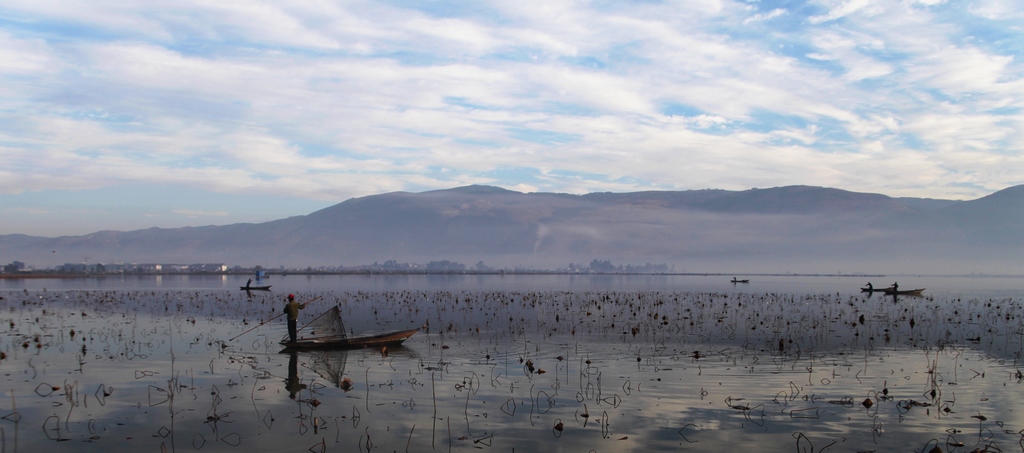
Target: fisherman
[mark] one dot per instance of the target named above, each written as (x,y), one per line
(870,287)
(895,287)
(248,283)
(292,308)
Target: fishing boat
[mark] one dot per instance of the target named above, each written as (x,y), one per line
(747,280)
(255,288)
(343,342)
(904,292)
(869,290)
(327,331)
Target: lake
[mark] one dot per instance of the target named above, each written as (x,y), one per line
(514,363)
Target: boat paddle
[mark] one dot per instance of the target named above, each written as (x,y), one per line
(271,319)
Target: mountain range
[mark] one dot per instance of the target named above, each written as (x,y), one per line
(798,229)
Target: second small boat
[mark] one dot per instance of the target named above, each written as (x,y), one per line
(904,292)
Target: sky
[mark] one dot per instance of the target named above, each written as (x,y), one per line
(125,115)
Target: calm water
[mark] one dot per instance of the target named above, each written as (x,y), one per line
(944,286)
(514,363)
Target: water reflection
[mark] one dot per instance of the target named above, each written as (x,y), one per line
(293,385)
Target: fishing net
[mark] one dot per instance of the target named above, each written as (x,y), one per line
(327,325)
(330,365)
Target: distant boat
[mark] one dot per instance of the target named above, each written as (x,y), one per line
(255,288)
(905,292)
(747,280)
(868,290)
(341,342)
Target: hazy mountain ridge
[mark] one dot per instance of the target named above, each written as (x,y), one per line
(782,229)
(995,220)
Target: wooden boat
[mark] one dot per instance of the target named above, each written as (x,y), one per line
(869,290)
(255,288)
(740,281)
(906,292)
(384,339)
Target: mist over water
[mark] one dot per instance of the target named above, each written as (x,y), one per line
(544,363)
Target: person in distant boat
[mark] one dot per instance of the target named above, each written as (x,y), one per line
(895,287)
(292,308)
(870,287)
(248,283)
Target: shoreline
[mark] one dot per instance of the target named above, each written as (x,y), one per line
(425,272)
(72,275)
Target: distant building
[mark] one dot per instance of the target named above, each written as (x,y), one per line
(74,267)
(148,267)
(208,267)
(15,266)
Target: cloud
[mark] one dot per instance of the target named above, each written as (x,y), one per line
(843,8)
(997,9)
(328,101)
(958,70)
(761,17)
(25,56)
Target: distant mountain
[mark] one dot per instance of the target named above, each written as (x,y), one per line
(996,220)
(784,229)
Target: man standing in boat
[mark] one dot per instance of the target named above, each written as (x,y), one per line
(292,308)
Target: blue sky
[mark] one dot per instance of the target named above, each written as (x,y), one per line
(125,115)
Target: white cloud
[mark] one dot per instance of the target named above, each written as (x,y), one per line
(25,56)
(997,9)
(850,51)
(950,129)
(959,70)
(764,17)
(842,8)
(326,101)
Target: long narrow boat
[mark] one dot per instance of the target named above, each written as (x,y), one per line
(878,290)
(905,292)
(384,339)
(255,288)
